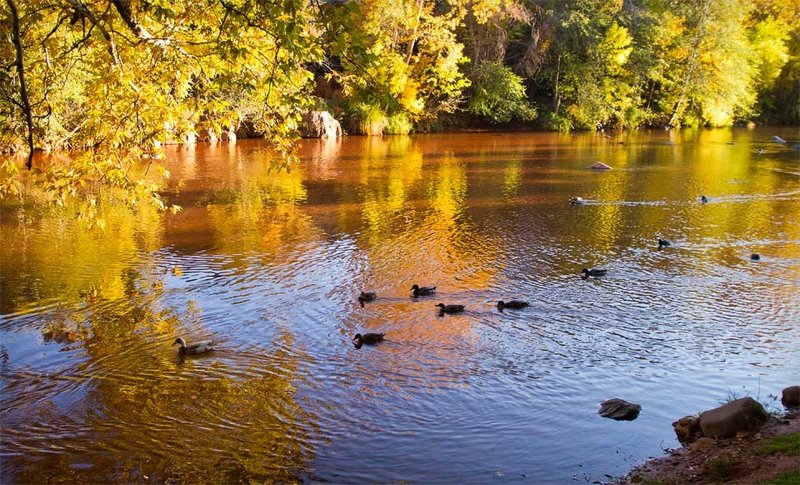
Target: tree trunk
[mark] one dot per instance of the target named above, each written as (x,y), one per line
(23,90)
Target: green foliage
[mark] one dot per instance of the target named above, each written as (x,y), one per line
(791,477)
(398,124)
(785,443)
(367,119)
(498,94)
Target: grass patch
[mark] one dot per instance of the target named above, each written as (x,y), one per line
(786,478)
(785,443)
(723,468)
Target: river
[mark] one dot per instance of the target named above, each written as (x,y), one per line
(269,264)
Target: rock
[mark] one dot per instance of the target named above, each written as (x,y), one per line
(320,124)
(740,415)
(600,166)
(791,397)
(688,429)
(619,410)
(703,444)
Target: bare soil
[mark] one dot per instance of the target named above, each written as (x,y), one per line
(739,461)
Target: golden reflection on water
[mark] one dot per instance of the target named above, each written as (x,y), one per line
(269,262)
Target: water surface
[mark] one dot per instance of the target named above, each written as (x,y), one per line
(269,264)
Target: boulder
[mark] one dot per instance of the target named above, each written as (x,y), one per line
(619,409)
(703,444)
(687,429)
(600,166)
(320,124)
(740,415)
(791,397)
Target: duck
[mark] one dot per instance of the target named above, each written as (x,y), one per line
(367,296)
(367,338)
(450,308)
(576,201)
(585,272)
(663,243)
(513,304)
(755,256)
(417,290)
(196,348)
(703,199)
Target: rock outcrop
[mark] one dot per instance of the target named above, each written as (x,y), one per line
(688,429)
(320,124)
(726,421)
(791,397)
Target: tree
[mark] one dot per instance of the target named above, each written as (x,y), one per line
(115,79)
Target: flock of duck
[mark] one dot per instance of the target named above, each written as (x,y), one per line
(417,291)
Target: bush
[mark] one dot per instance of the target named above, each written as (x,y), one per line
(498,94)
(398,124)
(367,119)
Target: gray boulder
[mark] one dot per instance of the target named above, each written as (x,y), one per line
(740,415)
(688,429)
(619,409)
(320,124)
(791,397)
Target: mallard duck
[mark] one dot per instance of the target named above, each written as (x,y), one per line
(450,308)
(417,290)
(585,272)
(196,348)
(367,338)
(576,201)
(703,199)
(366,296)
(513,304)
(663,243)
(755,256)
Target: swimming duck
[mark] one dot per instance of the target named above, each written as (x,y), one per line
(755,256)
(513,304)
(585,272)
(367,338)
(576,201)
(196,348)
(703,199)
(450,308)
(367,296)
(663,243)
(417,290)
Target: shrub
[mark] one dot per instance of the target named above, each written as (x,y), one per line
(498,94)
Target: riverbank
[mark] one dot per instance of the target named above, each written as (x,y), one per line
(769,456)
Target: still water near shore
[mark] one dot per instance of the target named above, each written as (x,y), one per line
(269,265)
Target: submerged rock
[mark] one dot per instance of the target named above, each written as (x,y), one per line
(600,166)
(687,429)
(791,397)
(619,409)
(740,415)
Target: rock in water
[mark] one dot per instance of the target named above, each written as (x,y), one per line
(320,124)
(740,415)
(600,166)
(791,397)
(619,409)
